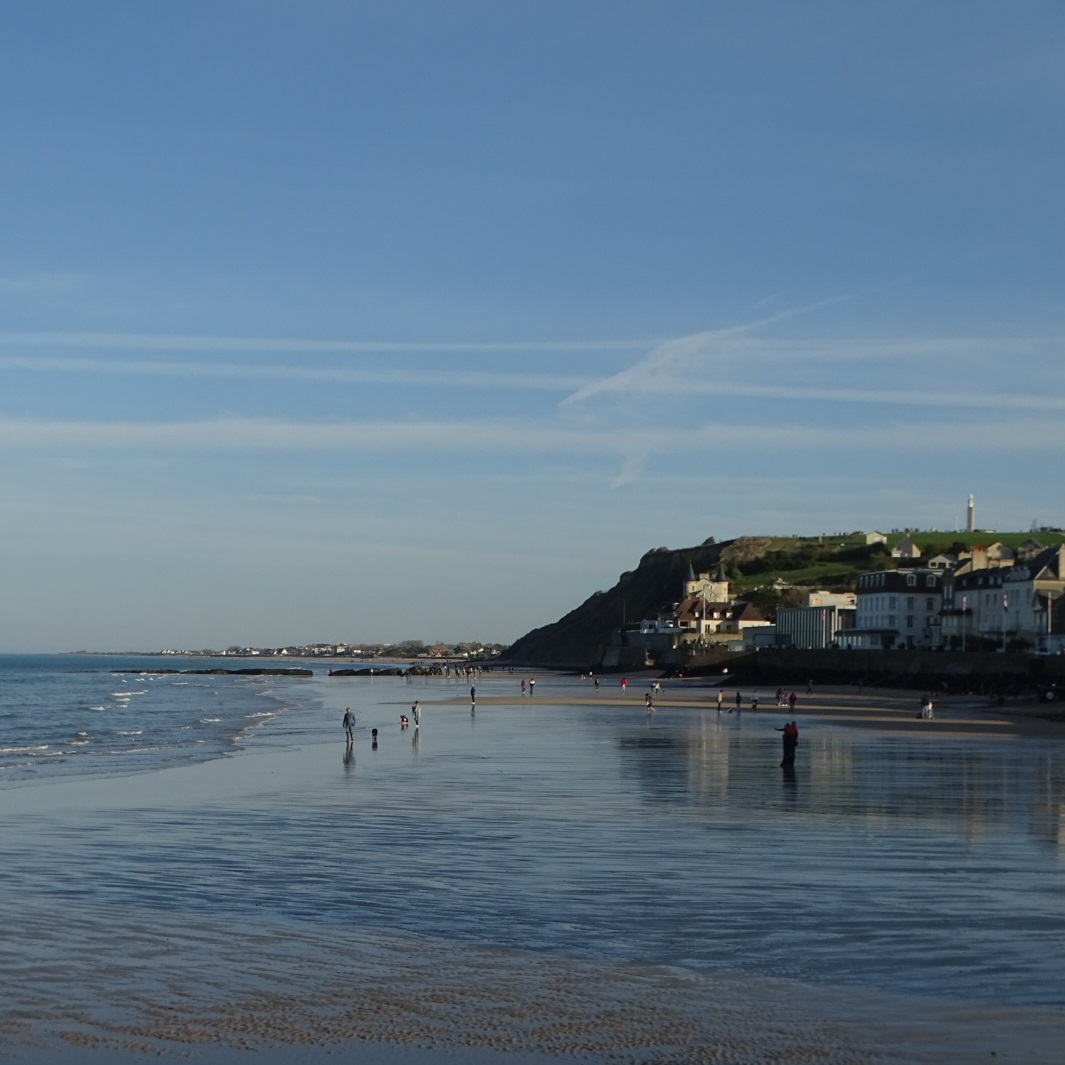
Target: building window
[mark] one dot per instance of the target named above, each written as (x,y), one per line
(930,580)
(891,602)
(911,578)
(909,621)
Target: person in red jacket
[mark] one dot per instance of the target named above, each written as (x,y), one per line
(791,741)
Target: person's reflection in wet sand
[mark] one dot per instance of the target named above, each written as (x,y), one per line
(373,739)
(414,739)
(791,785)
(349,758)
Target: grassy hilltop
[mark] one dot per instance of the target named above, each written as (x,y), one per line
(831,561)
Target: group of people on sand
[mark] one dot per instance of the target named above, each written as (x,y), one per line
(790,729)
(789,701)
(348,724)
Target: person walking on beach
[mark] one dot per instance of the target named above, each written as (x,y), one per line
(739,702)
(416,710)
(349,726)
(597,684)
(720,699)
(522,685)
(792,699)
(790,741)
(532,687)
(649,702)
(624,683)
(473,694)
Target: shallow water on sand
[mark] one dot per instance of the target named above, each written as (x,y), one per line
(599,835)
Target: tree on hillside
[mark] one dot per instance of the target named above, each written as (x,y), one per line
(769,600)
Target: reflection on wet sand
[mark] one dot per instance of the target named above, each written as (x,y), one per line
(977,788)
(562,879)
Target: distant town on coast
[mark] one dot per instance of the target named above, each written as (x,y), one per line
(406,649)
(689,610)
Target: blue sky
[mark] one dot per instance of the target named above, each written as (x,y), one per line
(372,321)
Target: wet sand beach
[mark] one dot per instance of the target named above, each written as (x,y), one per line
(560,878)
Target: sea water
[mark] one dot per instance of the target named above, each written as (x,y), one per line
(890,862)
(63,715)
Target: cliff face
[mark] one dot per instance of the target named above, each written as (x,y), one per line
(579,639)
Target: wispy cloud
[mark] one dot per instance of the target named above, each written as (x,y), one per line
(394,376)
(716,364)
(233,434)
(669,359)
(193,342)
(23,284)
(891,396)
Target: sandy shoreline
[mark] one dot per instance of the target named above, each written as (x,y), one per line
(143,983)
(889,710)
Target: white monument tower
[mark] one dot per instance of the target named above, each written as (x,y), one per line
(970,515)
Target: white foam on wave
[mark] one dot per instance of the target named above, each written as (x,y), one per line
(97,707)
(209,720)
(23,750)
(131,732)
(262,713)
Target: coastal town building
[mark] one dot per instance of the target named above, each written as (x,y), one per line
(941,562)
(1009,603)
(896,608)
(984,556)
(817,622)
(906,548)
(706,615)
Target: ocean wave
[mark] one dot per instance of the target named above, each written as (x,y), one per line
(24,750)
(131,732)
(209,720)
